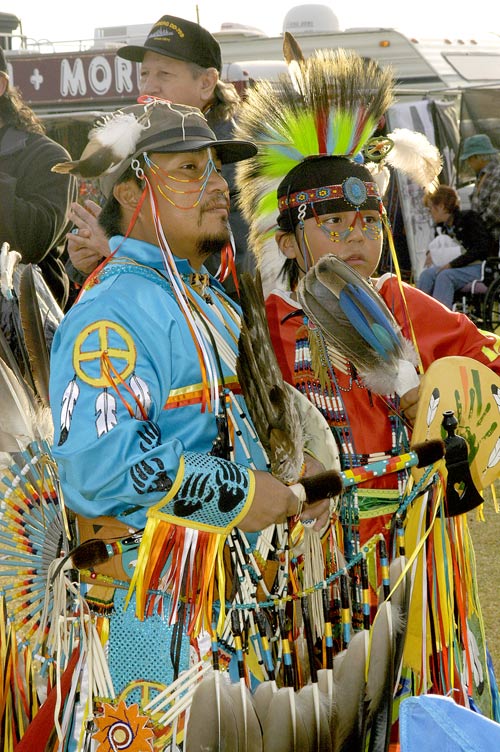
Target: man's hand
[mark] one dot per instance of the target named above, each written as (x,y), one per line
(90,245)
(273,502)
(408,404)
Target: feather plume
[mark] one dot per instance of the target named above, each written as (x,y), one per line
(273,413)
(356,321)
(380,174)
(8,357)
(262,699)
(295,61)
(380,680)
(284,728)
(413,154)
(281,415)
(110,141)
(312,706)
(34,334)
(400,600)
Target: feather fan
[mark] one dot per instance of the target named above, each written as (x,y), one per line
(19,417)
(212,723)
(247,722)
(349,669)
(355,320)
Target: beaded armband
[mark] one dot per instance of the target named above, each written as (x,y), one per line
(209,492)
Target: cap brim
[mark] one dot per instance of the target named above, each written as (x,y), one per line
(132,52)
(227,151)
(477,154)
(136,53)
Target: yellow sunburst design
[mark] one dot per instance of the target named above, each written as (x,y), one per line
(122,728)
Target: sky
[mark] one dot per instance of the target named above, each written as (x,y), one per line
(62,21)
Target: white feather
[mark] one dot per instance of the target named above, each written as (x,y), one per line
(433,406)
(18,419)
(141,391)
(414,155)
(380,174)
(296,76)
(8,261)
(69,399)
(121,131)
(105,408)
(496,394)
(494,457)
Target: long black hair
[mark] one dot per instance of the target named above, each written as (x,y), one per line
(17,114)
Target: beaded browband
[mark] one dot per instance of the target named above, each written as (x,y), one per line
(353,190)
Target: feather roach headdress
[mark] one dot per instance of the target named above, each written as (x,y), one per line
(314,130)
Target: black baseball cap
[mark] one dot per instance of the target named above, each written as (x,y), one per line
(183,40)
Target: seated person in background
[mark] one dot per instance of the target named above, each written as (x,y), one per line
(474,243)
(481,156)
(35,201)
(184,68)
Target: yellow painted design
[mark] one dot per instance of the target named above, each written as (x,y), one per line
(466,387)
(81,356)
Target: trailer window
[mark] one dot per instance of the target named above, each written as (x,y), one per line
(473,67)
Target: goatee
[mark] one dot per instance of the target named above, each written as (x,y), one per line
(211,245)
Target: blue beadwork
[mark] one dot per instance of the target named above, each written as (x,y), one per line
(354,191)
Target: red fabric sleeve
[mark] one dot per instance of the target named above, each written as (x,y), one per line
(440,332)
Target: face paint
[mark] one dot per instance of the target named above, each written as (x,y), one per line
(338,227)
(194,183)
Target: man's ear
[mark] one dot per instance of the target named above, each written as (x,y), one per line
(287,244)
(127,194)
(208,82)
